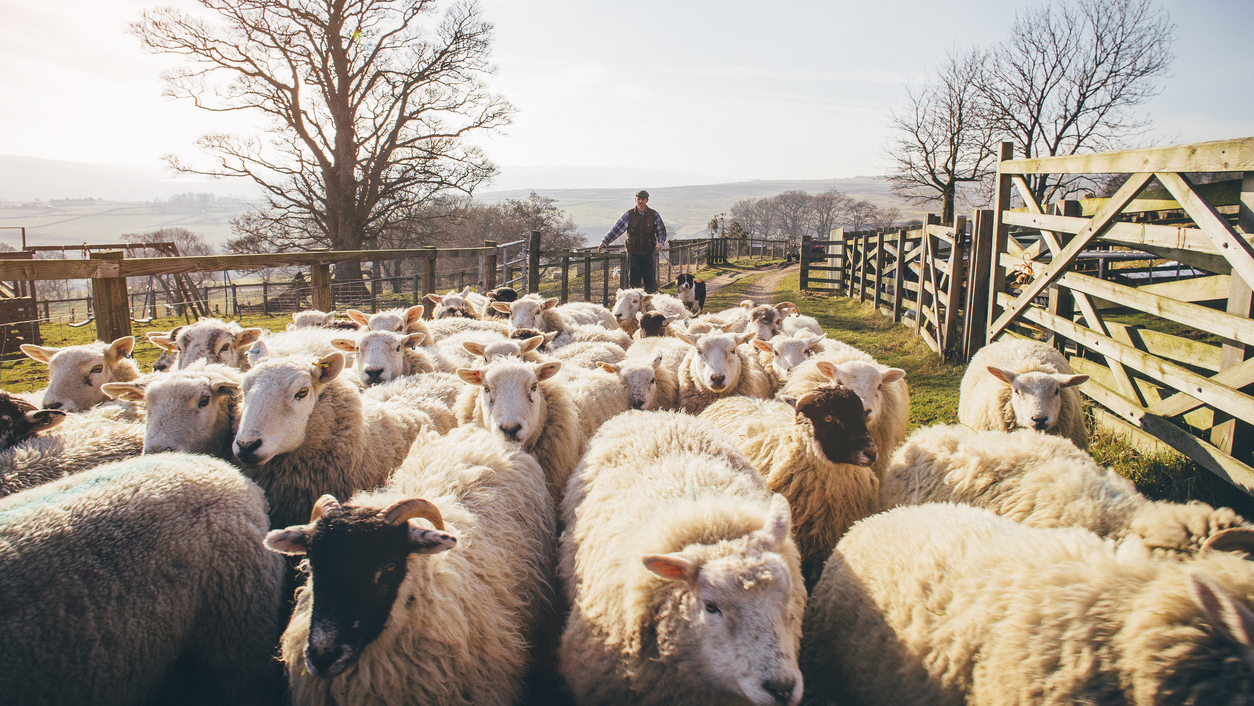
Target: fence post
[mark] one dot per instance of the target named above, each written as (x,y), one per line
(533,262)
(899,275)
(605,282)
(925,261)
(805,262)
(565,279)
(487,266)
(975,328)
(1234,435)
(113,315)
(428,284)
(863,256)
(265,297)
(1001,233)
(879,268)
(320,287)
(957,276)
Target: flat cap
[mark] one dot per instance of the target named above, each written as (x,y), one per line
(642,194)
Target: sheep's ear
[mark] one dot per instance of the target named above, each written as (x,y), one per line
(415,339)
(119,349)
(225,387)
(291,541)
(548,370)
(1004,375)
(344,344)
(762,346)
(361,317)
(777,525)
(609,367)
(551,302)
(728,327)
(413,313)
(424,540)
(745,337)
(1070,380)
(328,367)
(260,351)
(895,374)
(688,338)
(530,344)
(501,307)
(40,353)
(646,299)
(133,391)
(471,375)
(473,347)
(657,361)
(548,337)
(290,327)
(828,369)
(247,336)
(813,341)
(747,304)
(671,567)
(1230,619)
(618,293)
(466,292)
(671,318)
(790,400)
(43,419)
(435,297)
(1239,540)
(162,340)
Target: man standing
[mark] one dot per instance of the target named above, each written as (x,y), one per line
(646,234)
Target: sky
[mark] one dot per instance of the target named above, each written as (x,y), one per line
(691,91)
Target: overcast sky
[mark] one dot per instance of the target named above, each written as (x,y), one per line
(713,91)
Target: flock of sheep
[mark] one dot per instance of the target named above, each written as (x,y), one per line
(523,501)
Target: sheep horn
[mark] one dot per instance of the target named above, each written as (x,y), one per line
(327,506)
(404,510)
(1233,539)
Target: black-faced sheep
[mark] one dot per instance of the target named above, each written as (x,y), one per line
(20,420)
(717,367)
(1016,383)
(138,582)
(951,604)
(684,583)
(430,590)
(75,373)
(652,324)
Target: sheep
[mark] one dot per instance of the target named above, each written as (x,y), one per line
(672,350)
(383,356)
(215,341)
(312,318)
(527,405)
(194,410)
(75,373)
(650,384)
(716,367)
(885,396)
(304,431)
(629,301)
(546,315)
(524,349)
(797,325)
(816,452)
(169,358)
(452,353)
(652,324)
(1018,383)
(1043,481)
(408,320)
(782,353)
(453,305)
(21,420)
(434,394)
(80,443)
(588,355)
(765,320)
(441,329)
(462,540)
(303,341)
(597,393)
(733,320)
(951,604)
(676,559)
(137,582)
(587,333)
(691,292)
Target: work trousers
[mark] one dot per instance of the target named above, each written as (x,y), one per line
(642,271)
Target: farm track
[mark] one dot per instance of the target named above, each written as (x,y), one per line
(762,289)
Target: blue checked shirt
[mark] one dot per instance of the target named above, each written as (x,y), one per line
(621,227)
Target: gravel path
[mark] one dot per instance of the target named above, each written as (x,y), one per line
(761,290)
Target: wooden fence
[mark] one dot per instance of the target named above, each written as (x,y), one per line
(1148,291)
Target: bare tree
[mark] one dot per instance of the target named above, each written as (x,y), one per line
(187,242)
(794,213)
(860,214)
(368,103)
(757,216)
(886,218)
(943,136)
(827,209)
(1069,75)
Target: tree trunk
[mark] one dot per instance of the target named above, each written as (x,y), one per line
(947,206)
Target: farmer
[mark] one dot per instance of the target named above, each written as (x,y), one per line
(646,234)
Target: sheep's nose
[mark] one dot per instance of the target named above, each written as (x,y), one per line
(718,379)
(866,414)
(54,405)
(158,449)
(510,432)
(637,404)
(1039,421)
(376,374)
(869,455)
(246,451)
(780,689)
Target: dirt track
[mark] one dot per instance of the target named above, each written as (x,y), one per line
(761,290)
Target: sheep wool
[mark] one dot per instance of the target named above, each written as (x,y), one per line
(111,578)
(683,582)
(1042,480)
(77,445)
(950,604)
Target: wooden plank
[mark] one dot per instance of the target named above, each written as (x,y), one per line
(1131,234)
(1231,245)
(1001,238)
(898,275)
(1196,289)
(957,277)
(1202,418)
(1064,258)
(111,305)
(1219,156)
(1233,435)
(1209,390)
(1196,353)
(879,269)
(1180,403)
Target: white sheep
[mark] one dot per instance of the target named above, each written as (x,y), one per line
(313,318)
(395,320)
(76,373)
(717,367)
(951,604)
(441,329)
(672,350)
(598,393)
(1018,383)
(451,353)
(782,353)
(524,349)
(528,405)
(587,354)
(214,341)
(650,384)
(79,443)
(885,396)
(434,394)
(733,320)
(765,320)
(304,431)
(194,410)
(1042,480)
(587,333)
(383,356)
(314,341)
(116,579)
(169,358)
(796,325)
(433,589)
(627,302)
(816,452)
(683,581)
(545,315)
(453,305)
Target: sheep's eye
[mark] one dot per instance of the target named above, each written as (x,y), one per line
(1057,392)
(712,609)
(204,401)
(828,418)
(303,393)
(223,348)
(97,369)
(388,567)
(652,381)
(534,385)
(486,391)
